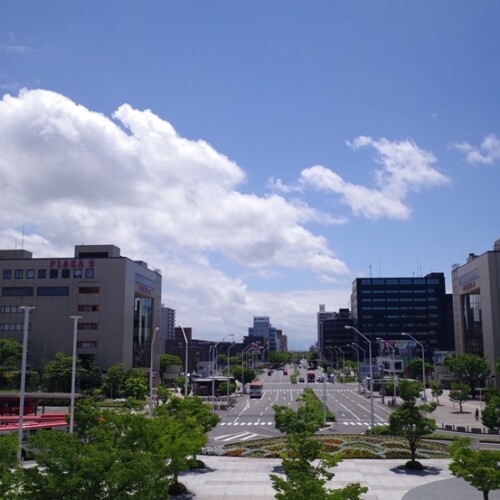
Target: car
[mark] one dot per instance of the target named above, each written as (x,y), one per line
(285,372)
(301,379)
(319,379)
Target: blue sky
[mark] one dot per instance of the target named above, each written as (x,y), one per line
(261,154)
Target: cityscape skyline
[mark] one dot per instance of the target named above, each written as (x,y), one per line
(261,156)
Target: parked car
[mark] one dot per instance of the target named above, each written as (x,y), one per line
(285,372)
(319,379)
(301,379)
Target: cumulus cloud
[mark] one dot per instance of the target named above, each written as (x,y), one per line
(486,154)
(70,175)
(404,168)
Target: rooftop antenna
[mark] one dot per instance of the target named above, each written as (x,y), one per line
(370,266)
(22,241)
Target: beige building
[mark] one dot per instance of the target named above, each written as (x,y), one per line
(476,306)
(118,299)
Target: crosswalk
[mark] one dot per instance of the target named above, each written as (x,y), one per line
(366,424)
(243,436)
(246,423)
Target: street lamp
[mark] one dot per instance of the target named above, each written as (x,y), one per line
(364,351)
(250,346)
(424,398)
(331,354)
(73,374)
(393,356)
(342,354)
(151,373)
(185,362)
(214,354)
(228,349)
(349,327)
(27,310)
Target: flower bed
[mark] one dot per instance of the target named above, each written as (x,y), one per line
(351,446)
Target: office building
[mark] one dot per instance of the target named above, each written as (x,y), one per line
(167,328)
(262,328)
(386,307)
(332,333)
(118,301)
(476,305)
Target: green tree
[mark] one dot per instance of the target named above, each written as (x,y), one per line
(243,376)
(460,393)
(57,373)
(414,368)
(278,358)
(8,464)
(436,391)
(477,467)
(469,369)
(123,457)
(409,419)
(167,360)
(115,378)
(491,413)
(303,479)
(163,393)
(136,387)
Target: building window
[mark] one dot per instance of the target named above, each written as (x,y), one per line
(17,291)
(86,344)
(53,291)
(42,274)
(89,289)
(65,273)
(77,273)
(10,309)
(89,273)
(54,274)
(88,308)
(7,274)
(88,326)
(18,274)
(30,274)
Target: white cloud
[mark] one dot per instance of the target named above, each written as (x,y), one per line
(404,168)
(486,154)
(71,176)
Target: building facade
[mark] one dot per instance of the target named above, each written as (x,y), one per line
(386,307)
(117,300)
(332,333)
(167,328)
(262,328)
(476,306)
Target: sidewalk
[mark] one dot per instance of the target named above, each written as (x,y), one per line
(248,479)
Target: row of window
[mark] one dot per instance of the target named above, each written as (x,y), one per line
(20,274)
(87,344)
(397,299)
(81,308)
(13,327)
(45,291)
(366,291)
(399,308)
(400,281)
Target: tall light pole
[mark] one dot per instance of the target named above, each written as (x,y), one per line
(151,373)
(342,355)
(27,310)
(228,349)
(357,353)
(364,351)
(73,374)
(393,356)
(424,398)
(250,346)
(214,354)
(185,362)
(349,327)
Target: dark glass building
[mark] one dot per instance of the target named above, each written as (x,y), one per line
(386,307)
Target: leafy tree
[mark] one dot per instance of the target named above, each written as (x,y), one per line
(163,393)
(414,368)
(90,378)
(436,391)
(303,479)
(477,467)
(11,353)
(460,393)
(243,376)
(491,413)
(409,419)
(223,387)
(278,358)
(57,373)
(115,379)
(470,369)
(167,360)
(8,464)
(123,457)
(136,387)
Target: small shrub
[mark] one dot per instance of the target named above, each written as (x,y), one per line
(234,453)
(177,489)
(195,463)
(413,465)
(359,453)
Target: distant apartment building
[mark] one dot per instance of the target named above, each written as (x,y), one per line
(476,305)
(386,307)
(262,328)
(281,341)
(332,333)
(118,301)
(167,328)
